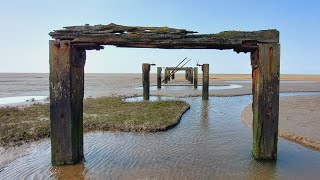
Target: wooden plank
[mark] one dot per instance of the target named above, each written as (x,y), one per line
(159,69)
(66,96)
(265,74)
(195,79)
(205,82)
(164,37)
(146,80)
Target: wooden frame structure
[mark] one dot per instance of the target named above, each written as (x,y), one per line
(68,56)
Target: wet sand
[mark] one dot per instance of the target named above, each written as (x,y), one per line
(299,119)
(97,85)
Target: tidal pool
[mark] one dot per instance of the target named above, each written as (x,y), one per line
(190,87)
(210,142)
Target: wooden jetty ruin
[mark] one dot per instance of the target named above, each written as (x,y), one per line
(68,57)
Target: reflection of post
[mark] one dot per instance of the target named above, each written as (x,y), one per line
(269,166)
(159,69)
(195,77)
(146,80)
(205,81)
(205,114)
(65,172)
(191,75)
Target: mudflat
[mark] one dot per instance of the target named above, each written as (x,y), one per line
(299,119)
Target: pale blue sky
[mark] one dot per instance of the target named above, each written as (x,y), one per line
(25,26)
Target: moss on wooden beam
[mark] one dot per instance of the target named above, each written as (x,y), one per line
(163,37)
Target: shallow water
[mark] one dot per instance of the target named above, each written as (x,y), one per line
(190,87)
(210,142)
(282,81)
(20,99)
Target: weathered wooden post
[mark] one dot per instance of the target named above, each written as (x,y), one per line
(159,69)
(191,75)
(205,82)
(265,74)
(195,78)
(173,74)
(66,101)
(165,76)
(146,80)
(186,74)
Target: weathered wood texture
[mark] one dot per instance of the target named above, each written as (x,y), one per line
(159,69)
(205,82)
(163,37)
(191,75)
(66,102)
(178,68)
(195,77)
(172,74)
(265,87)
(146,81)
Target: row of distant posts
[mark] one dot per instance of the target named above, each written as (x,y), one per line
(191,74)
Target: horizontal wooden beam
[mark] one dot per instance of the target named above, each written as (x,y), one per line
(164,37)
(178,69)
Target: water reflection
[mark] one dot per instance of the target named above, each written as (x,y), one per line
(205,114)
(190,87)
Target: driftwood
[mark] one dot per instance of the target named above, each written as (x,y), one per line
(93,37)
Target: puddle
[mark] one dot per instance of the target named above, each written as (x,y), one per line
(151,98)
(20,99)
(284,81)
(190,87)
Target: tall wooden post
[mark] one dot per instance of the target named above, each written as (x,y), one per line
(146,80)
(195,77)
(159,69)
(191,75)
(205,82)
(265,74)
(66,102)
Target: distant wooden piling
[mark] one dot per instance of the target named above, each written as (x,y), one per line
(186,74)
(66,102)
(159,69)
(173,74)
(195,77)
(165,75)
(146,80)
(191,75)
(205,82)
(265,87)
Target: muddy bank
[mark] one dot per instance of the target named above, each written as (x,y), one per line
(299,119)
